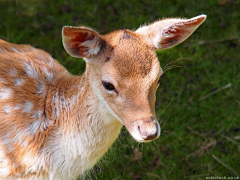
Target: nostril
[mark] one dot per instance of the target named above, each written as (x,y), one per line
(141,132)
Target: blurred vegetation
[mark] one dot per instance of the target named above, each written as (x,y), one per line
(198,104)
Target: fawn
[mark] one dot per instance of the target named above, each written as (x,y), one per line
(54,125)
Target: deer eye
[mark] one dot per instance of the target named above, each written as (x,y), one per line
(108,86)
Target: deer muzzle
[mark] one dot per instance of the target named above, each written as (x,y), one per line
(145,130)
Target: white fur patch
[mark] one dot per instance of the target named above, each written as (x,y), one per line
(34,126)
(2,81)
(93,47)
(12,72)
(18,81)
(8,142)
(51,62)
(7,109)
(29,159)
(30,70)
(38,124)
(37,114)
(4,168)
(17,107)
(49,76)
(2,153)
(40,87)
(21,136)
(5,93)
(4,164)
(155,73)
(15,50)
(27,107)
(97,91)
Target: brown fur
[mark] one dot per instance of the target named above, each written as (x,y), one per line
(27,92)
(137,60)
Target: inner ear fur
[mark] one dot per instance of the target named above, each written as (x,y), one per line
(81,42)
(168,33)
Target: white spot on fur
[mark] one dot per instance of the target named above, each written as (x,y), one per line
(4,168)
(36,163)
(15,50)
(8,142)
(4,164)
(38,124)
(48,75)
(27,107)
(12,72)
(5,93)
(51,61)
(37,114)
(28,159)
(40,87)
(24,143)
(3,81)
(17,107)
(7,109)
(34,126)
(21,136)
(18,81)
(38,61)
(2,153)
(30,70)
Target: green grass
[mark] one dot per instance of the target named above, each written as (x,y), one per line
(194,132)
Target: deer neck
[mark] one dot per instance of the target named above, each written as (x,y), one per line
(84,127)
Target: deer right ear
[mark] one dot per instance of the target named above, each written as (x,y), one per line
(81,42)
(168,33)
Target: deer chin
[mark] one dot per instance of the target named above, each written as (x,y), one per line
(145,131)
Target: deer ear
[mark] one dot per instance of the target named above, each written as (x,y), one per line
(168,33)
(81,42)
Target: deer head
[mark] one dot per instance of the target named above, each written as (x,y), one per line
(123,69)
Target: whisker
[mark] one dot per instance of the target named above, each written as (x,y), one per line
(160,122)
(155,143)
(163,125)
(166,131)
(167,106)
(172,63)
(171,67)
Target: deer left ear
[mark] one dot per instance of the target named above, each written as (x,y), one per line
(168,33)
(81,42)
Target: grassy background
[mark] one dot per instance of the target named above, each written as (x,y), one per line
(199,138)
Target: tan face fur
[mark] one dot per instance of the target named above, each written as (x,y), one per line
(134,75)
